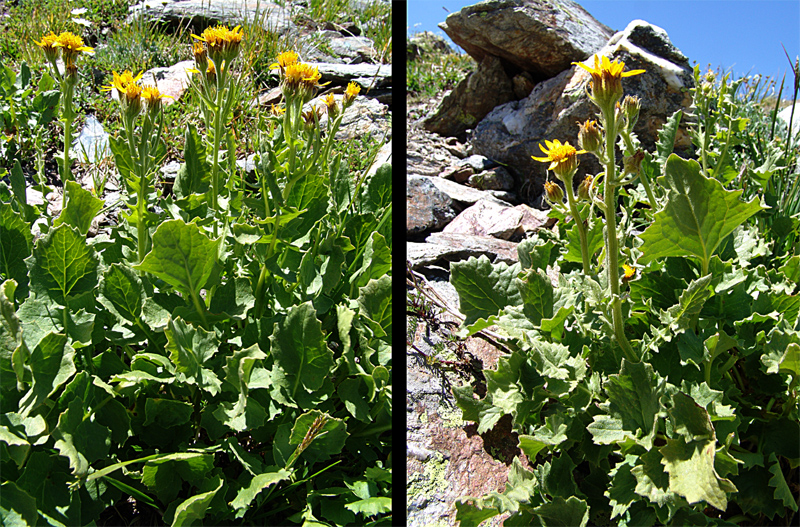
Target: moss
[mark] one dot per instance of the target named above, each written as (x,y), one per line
(431,481)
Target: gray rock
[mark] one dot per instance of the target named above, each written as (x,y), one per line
(427,153)
(427,208)
(478,163)
(91,145)
(512,133)
(365,75)
(354,49)
(497,178)
(464,194)
(426,43)
(383,157)
(207,12)
(473,98)
(459,174)
(538,36)
(450,247)
(364,116)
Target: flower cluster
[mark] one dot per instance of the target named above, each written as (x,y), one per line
(70,45)
(131,95)
(222,44)
(607,80)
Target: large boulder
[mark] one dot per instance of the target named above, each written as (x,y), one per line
(541,37)
(512,133)
(516,44)
(201,13)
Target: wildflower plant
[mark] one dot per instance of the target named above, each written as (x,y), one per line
(223,353)
(651,371)
(67,47)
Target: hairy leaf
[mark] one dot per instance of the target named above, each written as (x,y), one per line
(484,289)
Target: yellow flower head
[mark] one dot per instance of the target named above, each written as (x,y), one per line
(200,55)
(630,272)
(333,108)
(285,59)
(350,93)
(585,188)
(563,159)
(277,110)
(607,80)
(153,98)
(223,43)
(48,45)
(70,46)
(128,90)
(301,78)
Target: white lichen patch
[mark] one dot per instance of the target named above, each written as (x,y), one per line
(426,485)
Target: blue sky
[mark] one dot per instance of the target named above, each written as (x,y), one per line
(744,36)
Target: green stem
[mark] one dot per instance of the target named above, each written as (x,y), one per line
(68,115)
(573,208)
(612,243)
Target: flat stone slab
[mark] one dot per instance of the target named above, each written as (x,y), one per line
(440,246)
(271,16)
(362,74)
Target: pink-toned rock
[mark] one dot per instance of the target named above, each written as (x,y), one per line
(487,218)
(459,174)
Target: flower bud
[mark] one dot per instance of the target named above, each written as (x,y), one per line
(350,94)
(589,136)
(585,187)
(630,107)
(632,164)
(553,192)
(333,108)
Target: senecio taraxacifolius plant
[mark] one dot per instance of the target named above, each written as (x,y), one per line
(665,394)
(223,354)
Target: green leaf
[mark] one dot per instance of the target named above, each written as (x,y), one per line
(166,413)
(246,412)
(756,495)
(354,400)
(194,177)
(122,156)
(82,441)
(51,364)
(536,292)
(81,208)
(376,262)
(375,304)
(621,492)
(182,255)
(594,241)
(17,507)
(378,191)
(310,194)
(122,293)
(690,419)
(681,316)
(652,482)
(371,506)
(556,479)
(484,289)
(247,494)
(234,298)
(189,348)
(572,512)
(18,183)
(16,242)
(782,491)
(18,447)
(698,215)
(666,137)
(633,399)
(194,509)
(691,472)
(298,347)
(62,266)
(164,475)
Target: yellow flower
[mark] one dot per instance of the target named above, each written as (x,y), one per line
(277,110)
(350,93)
(48,45)
(607,80)
(129,92)
(200,55)
(71,45)
(630,272)
(333,108)
(153,98)
(284,59)
(563,159)
(300,78)
(223,43)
